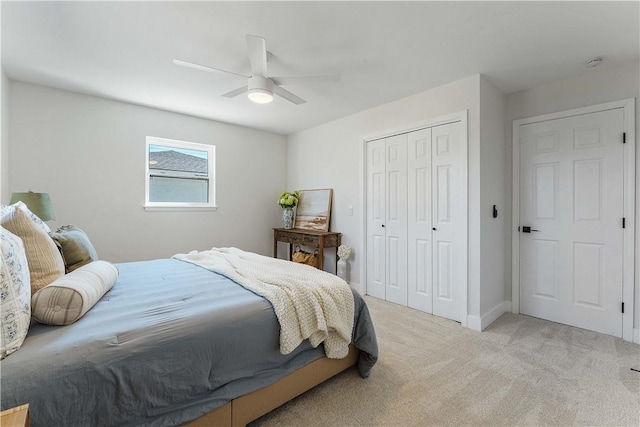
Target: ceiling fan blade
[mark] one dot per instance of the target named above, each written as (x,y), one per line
(288,95)
(205,68)
(236,92)
(287,80)
(257,48)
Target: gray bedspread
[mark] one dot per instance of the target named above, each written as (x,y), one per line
(170,342)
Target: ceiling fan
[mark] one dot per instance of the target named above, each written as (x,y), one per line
(260,86)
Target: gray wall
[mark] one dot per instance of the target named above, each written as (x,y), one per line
(493,231)
(331,156)
(4,129)
(4,138)
(88,153)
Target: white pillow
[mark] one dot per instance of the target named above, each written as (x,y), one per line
(45,261)
(15,293)
(68,298)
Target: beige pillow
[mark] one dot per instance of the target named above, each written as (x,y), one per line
(43,257)
(71,296)
(40,223)
(76,247)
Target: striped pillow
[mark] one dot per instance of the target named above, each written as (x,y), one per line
(71,296)
(43,257)
(15,305)
(40,223)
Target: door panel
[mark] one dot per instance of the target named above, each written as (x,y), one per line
(443,194)
(443,267)
(587,280)
(571,190)
(545,190)
(546,271)
(587,197)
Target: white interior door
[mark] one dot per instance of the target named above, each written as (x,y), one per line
(571,197)
(376,211)
(396,219)
(420,273)
(447,216)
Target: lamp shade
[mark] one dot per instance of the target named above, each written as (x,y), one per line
(38,203)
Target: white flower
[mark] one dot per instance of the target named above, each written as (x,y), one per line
(344,252)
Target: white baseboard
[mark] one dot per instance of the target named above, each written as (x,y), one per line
(636,336)
(479,323)
(474,323)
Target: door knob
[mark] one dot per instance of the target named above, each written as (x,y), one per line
(527,229)
(382,225)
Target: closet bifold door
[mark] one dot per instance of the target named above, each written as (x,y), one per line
(447,218)
(396,219)
(376,215)
(415,219)
(420,274)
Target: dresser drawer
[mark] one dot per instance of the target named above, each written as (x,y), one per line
(283,236)
(311,240)
(332,241)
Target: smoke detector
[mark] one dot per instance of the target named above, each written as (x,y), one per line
(594,62)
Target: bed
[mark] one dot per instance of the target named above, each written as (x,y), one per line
(171,343)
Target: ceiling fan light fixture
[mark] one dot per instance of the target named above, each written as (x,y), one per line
(260,96)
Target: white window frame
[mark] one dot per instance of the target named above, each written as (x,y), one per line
(171,143)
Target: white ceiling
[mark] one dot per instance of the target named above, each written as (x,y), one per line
(383,50)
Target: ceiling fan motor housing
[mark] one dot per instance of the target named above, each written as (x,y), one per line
(260,82)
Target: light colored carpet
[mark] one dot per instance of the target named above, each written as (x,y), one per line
(520,371)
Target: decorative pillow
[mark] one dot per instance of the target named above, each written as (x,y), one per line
(43,257)
(40,223)
(71,296)
(77,250)
(15,294)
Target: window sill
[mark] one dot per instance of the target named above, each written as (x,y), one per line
(180,208)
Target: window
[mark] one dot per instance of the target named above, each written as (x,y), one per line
(179,174)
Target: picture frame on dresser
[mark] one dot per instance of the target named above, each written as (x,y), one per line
(314,209)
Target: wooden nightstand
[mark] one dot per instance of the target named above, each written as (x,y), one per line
(15,417)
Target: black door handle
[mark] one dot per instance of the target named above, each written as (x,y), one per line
(527,229)
(382,225)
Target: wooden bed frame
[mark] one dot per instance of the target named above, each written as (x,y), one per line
(244,409)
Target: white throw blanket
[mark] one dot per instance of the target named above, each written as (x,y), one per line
(309,303)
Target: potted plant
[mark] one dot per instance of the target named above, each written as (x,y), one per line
(287,201)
